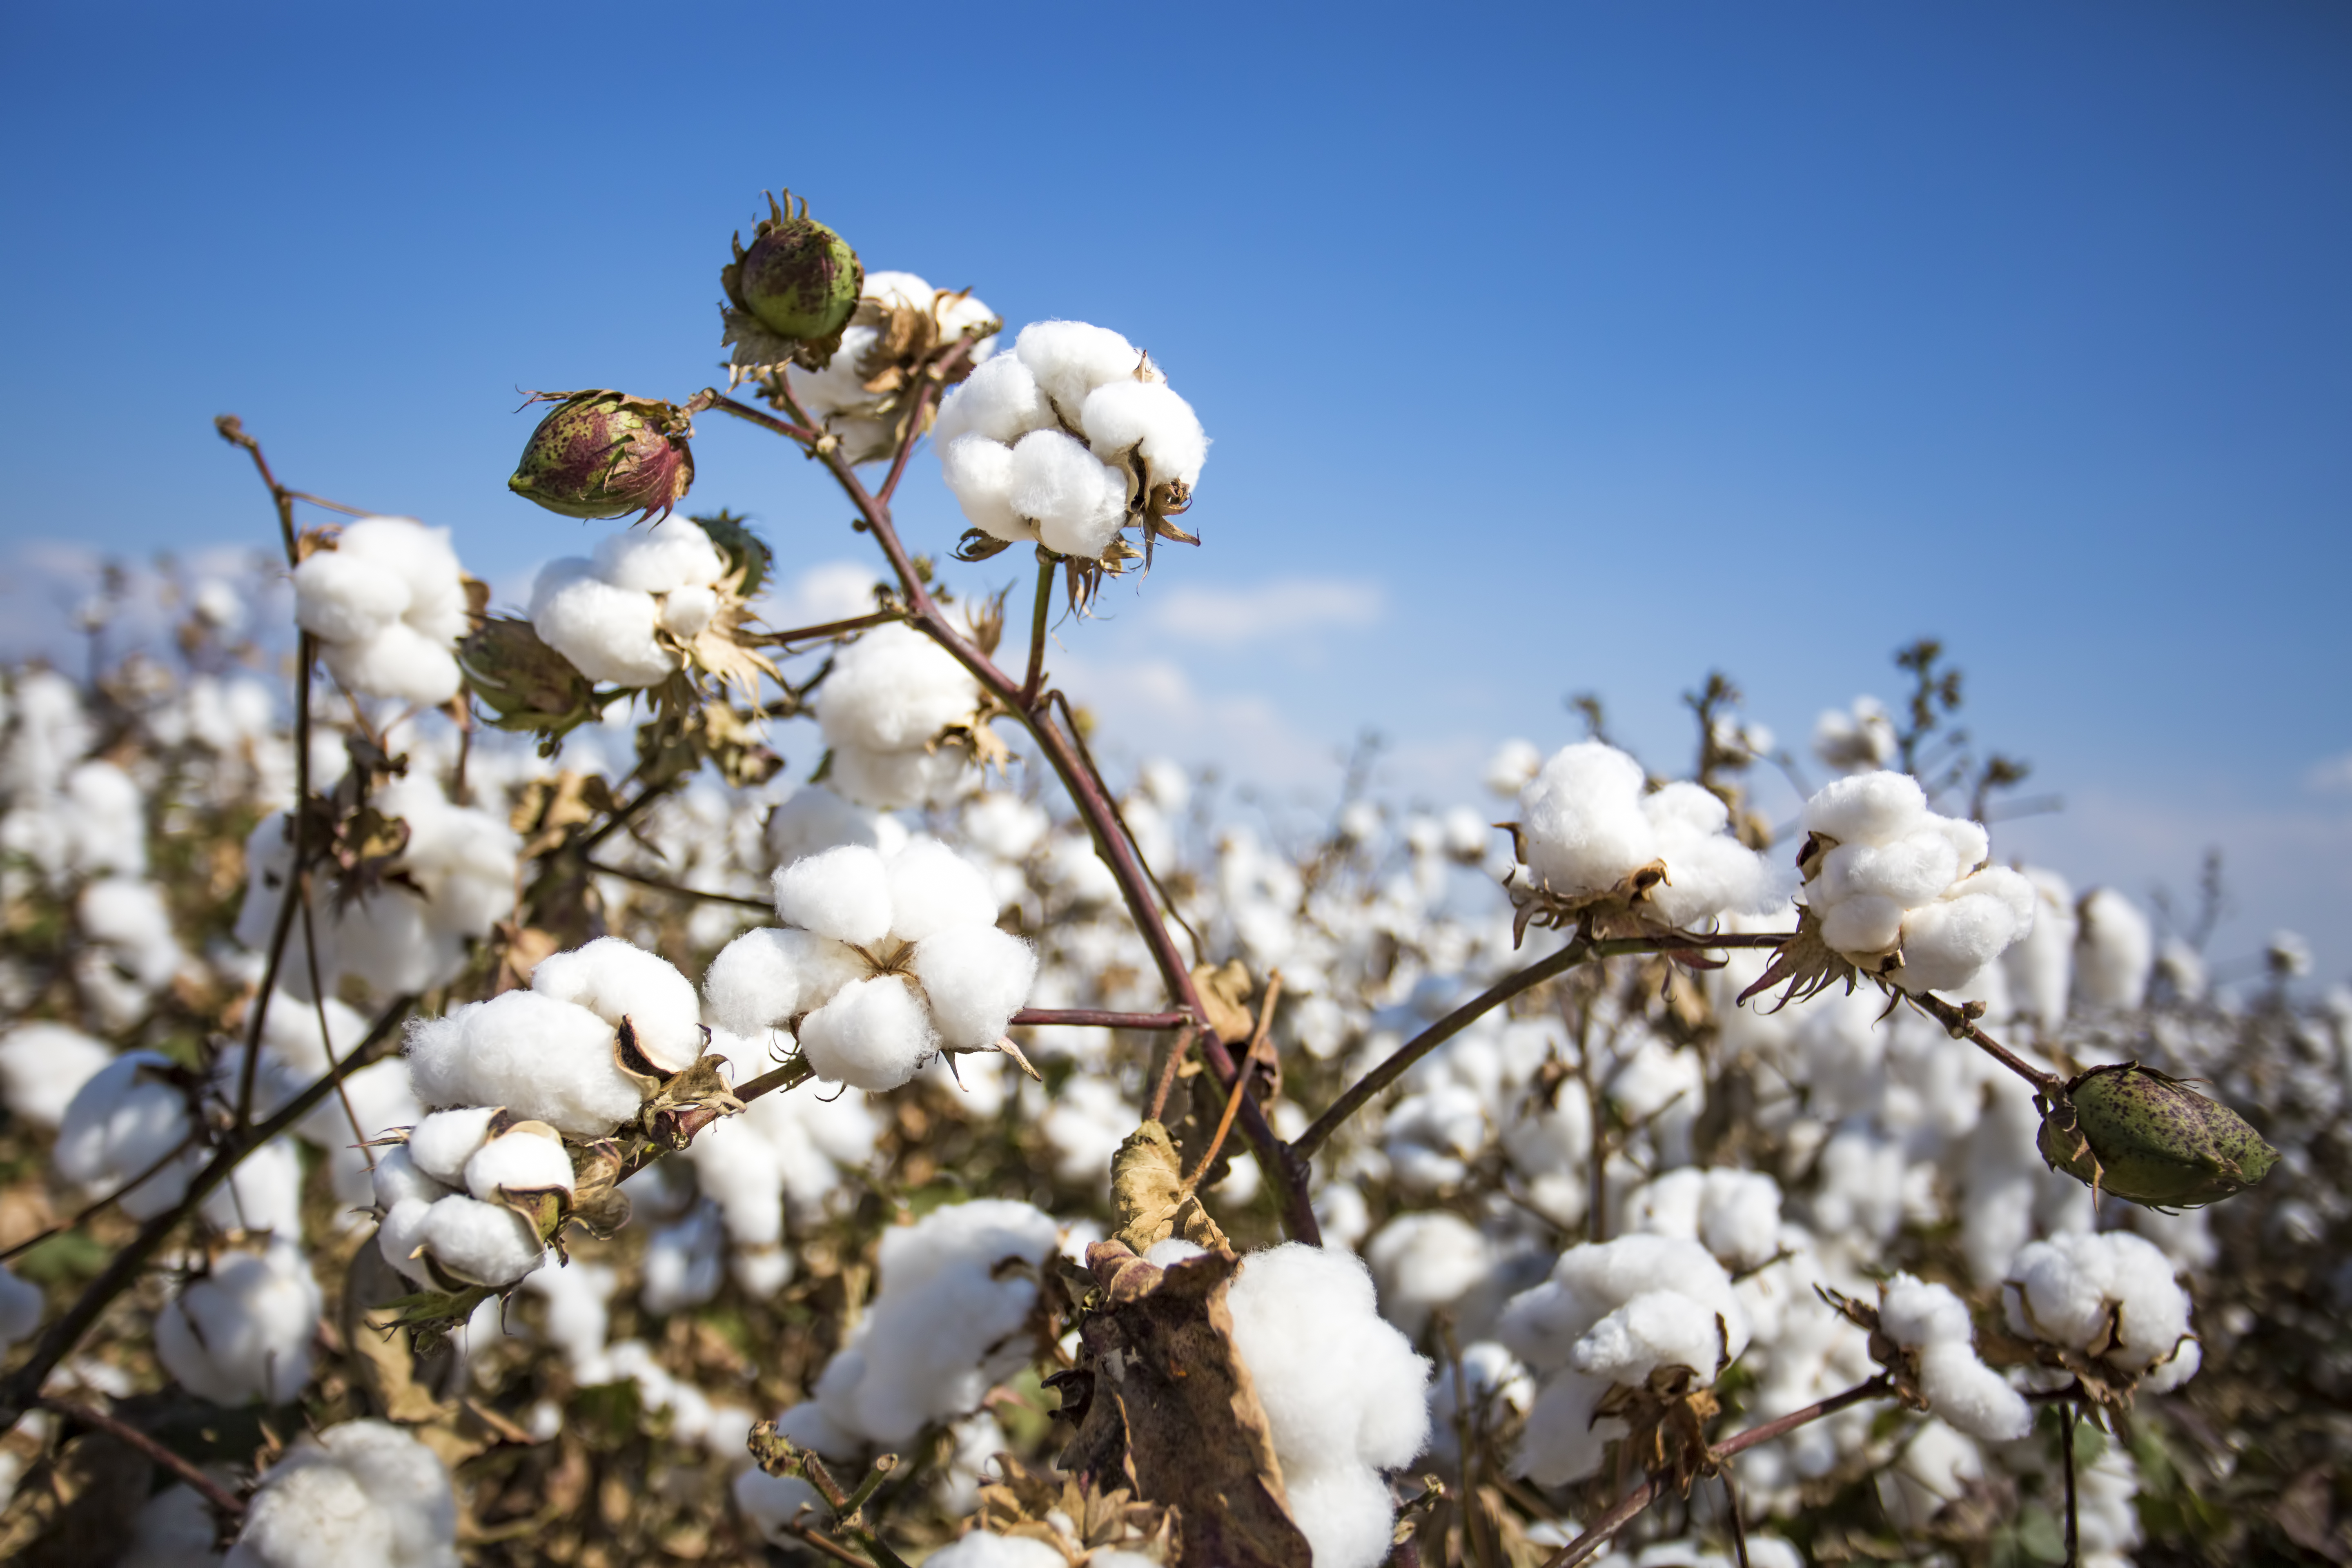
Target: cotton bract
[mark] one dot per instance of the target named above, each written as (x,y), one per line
(364,1492)
(885,963)
(1904,893)
(387,604)
(1586,829)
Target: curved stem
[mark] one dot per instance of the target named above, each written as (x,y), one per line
(211,1491)
(1962,1026)
(1575,952)
(829,629)
(745,412)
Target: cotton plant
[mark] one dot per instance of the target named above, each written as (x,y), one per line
(903,721)
(362,1491)
(387,600)
(242,1332)
(1067,441)
(898,321)
(882,965)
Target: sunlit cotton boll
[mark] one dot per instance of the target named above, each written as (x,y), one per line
(1586,826)
(1932,1321)
(894,689)
(386,604)
(1344,1395)
(43,1066)
(615,980)
(1129,420)
(2069,1289)
(873,1035)
(243,1333)
(547,1060)
(607,632)
(361,1492)
(123,1121)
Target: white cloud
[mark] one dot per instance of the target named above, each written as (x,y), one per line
(2332,777)
(1229,618)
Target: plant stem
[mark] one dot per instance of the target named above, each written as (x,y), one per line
(1088,1016)
(829,629)
(226,1501)
(744,411)
(1036,675)
(1962,1027)
(658,885)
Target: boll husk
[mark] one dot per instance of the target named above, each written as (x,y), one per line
(793,291)
(605,454)
(2149,1139)
(525,684)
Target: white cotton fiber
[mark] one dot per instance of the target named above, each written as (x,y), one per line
(770,1502)
(1868,809)
(686,613)
(361,1493)
(607,632)
(396,1178)
(543,1059)
(815,819)
(521,1160)
(1000,402)
(486,1243)
(933,888)
(120,1122)
(843,893)
(1077,503)
(399,662)
(979,474)
(243,1333)
(873,1035)
(43,1066)
(1127,416)
(672,553)
(1655,1328)
(400,1236)
(263,1194)
(2116,953)
(615,979)
(1344,1395)
(893,689)
(1585,825)
(1424,1261)
(1543,1326)
(342,598)
(1930,1320)
(2069,1288)
(975,978)
(767,978)
(1562,1442)
(982,1549)
(439,1146)
(1070,359)
(894,781)
(386,604)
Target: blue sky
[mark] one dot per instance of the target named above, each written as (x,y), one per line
(1547,349)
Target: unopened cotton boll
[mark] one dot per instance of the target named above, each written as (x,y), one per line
(363,1492)
(243,1333)
(894,689)
(526,1158)
(43,1066)
(543,1059)
(873,1035)
(615,979)
(1076,501)
(975,978)
(1344,1395)
(1148,419)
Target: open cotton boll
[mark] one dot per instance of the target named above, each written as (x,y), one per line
(543,1059)
(1424,1261)
(1000,402)
(933,888)
(488,1244)
(815,819)
(979,474)
(1867,808)
(398,662)
(1076,501)
(673,553)
(263,1194)
(1562,1441)
(2117,951)
(687,612)
(400,1236)
(118,1124)
(607,632)
(1945,943)
(1070,359)
(528,1158)
(615,980)
(422,561)
(975,978)
(1581,820)
(1345,1512)
(341,598)
(43,1066)
(894,689)
(2040,968)
(362,1492)
(1932,1321)
(243,1333)
(769,976)
(1655,1328)
(397,1178)
(1148,417)
(873,1035)
(982,1549)
(440,1145)
(2070,1289)
(892,781)
(1543,1326)
(1911,871)
(844,894)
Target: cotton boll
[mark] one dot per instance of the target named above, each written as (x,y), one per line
(1562,1442)
(687,612)
(2041,967)
(1426,1262)
(1911,871)
(1005,826)
(982,1549)
(2117,953)
(933,887)
(975,978)
(396,1179)
(1345,1513)
(421,558)
(1338,1383)
(543,1059)
(814,819)
(440,1145)
(1077,502)
(843,893)
(1656,1328)
(243,1333)
(1970,1396)
(344,598)
(486,1243)
(263,1194)
(893,689)
(522,1160)
(398,662)
(118,1124)
(1145,417)
(979,474)
(769,976)
(683,1266)
(1000,402)
(1948,941)
(894,781)
(873,1035)
(673,553)
(43,1066)
(1866,808)
(363,1492)
(1070,359)
(1866,923)
(606,633)
(1581,820)
(401,1237)
(615,979)
(2069,1288)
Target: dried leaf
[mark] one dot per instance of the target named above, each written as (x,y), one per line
(1147,1190)
(1225,996)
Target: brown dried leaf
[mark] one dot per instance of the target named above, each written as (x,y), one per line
(1147,1190)
(1225,995)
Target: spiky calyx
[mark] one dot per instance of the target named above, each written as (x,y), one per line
(799,283)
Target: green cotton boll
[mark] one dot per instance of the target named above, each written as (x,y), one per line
(2149,1139)
(798,278)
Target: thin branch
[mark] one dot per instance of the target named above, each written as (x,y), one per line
(744,411)
(809,1535)
(226,1501)
(92,1211)
(1036,676)
(1088,1016)
(1575,952)
(935,375)
(2066,1445)
(829,629)
(656,883)
(1962,1026)
(1240,1091)
(1627,1508)
(18,1391)
(1168,1074)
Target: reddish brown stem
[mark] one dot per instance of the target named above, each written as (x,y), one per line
(1961,1027)
(212,1492)
(744,411)
(829,629)
(935,376)
(1089,1016)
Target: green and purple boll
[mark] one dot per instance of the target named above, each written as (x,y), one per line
(605,454)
